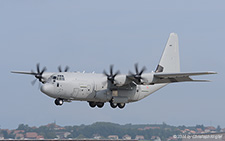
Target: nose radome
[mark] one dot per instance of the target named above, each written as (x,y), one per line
(47,89)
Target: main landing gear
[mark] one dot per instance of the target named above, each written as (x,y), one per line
(120,105)
(98,104)
(59,101)
(101,104)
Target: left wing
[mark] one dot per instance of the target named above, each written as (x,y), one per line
(23,72)
(178,77)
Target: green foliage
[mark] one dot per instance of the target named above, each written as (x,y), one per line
(50,135)
(105,129)
(218,128)
(24,127)
(200,126)
(5,134)
(81,136)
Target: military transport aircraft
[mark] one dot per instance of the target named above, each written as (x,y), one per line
(115,88)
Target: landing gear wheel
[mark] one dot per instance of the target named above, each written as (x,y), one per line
(121,105)
(113,105)
(58,101)
(92,104)
(100,104)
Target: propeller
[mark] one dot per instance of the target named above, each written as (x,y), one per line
(65,70)
(38,74)
(138,74)
(111,76)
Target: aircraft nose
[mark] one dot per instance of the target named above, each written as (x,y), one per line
(47,89)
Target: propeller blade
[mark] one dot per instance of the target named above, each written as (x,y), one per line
(39,85)
(43,70)
(143,70)
(136,68)
(59,69)
(111,70)
(105,73)
(38,68)
(33,82)
(118,72)
(67,68)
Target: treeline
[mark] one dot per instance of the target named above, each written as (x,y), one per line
(104,129)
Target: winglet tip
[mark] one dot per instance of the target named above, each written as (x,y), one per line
(212,72)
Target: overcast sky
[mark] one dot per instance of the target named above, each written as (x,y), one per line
(90,35)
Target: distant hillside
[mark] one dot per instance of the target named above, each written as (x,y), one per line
(105,130)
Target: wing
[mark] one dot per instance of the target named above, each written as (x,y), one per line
(178,77)
(22,72)
(43,77)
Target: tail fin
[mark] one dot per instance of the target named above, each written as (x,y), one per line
(170,60)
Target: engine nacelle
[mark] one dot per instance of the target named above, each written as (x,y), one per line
(45,76)
(148,78)
(121,80)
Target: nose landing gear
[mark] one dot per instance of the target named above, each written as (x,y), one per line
(59,101)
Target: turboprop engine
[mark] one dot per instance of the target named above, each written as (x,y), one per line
(121,80)
(148,78)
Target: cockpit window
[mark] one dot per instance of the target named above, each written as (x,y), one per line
(60,77)
(56,77)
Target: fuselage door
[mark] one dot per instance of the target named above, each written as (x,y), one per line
(75,92)
(59,88)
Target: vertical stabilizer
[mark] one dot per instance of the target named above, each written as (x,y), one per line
(170,60)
